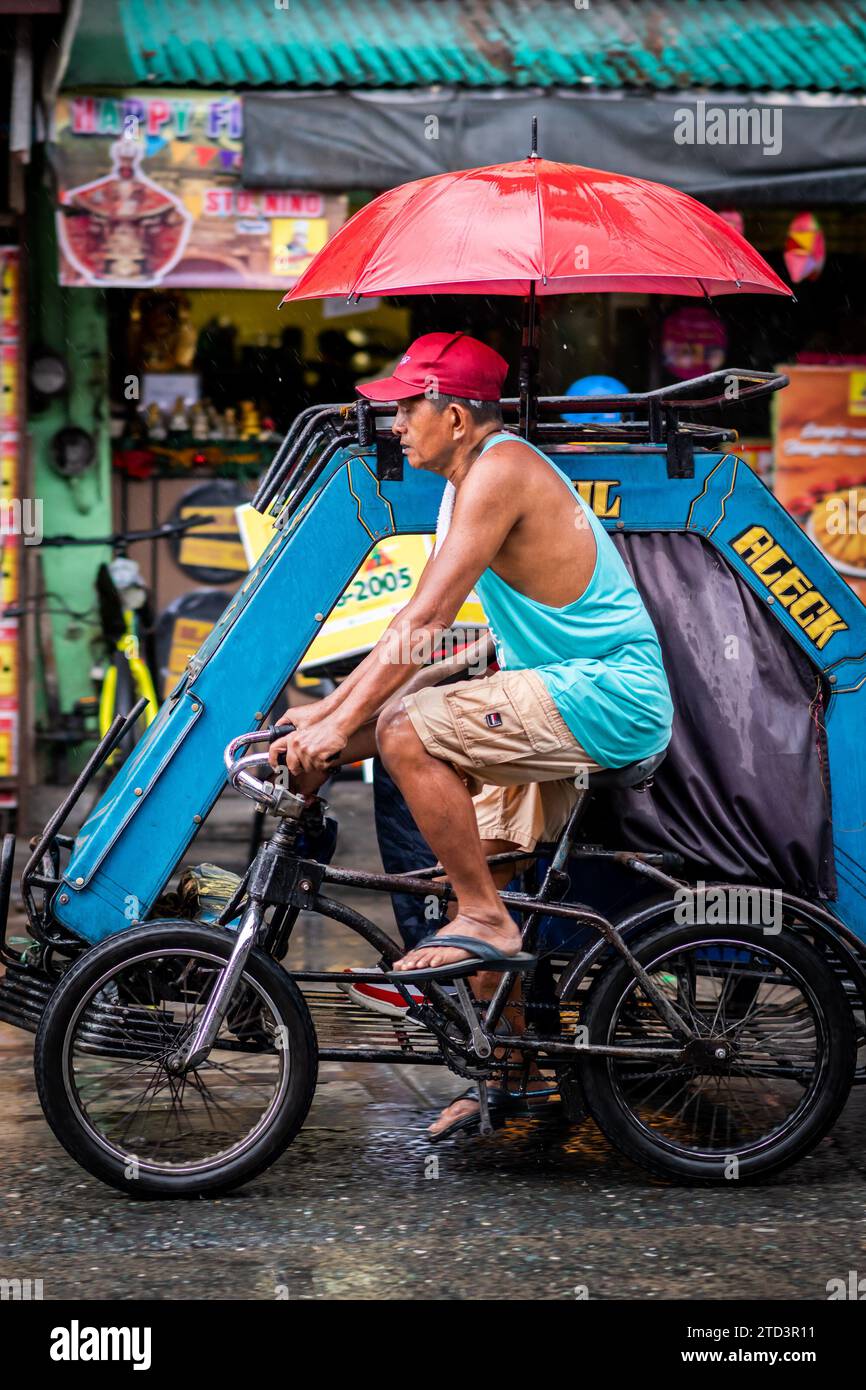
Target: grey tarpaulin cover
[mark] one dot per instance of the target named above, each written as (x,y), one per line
(744,790)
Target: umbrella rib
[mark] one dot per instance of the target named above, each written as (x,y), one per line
(392,230)
(540,221)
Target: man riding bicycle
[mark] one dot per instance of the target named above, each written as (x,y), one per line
(488,765)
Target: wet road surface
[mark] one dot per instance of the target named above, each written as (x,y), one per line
(361,1206)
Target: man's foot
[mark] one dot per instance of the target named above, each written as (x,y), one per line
(501,933)
(460,1109)
(540,1092)
(381,998)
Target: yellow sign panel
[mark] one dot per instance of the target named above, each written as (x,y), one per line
(383,585)
(256,531)
(7,753)
(8,465)
(857,393)
(9,556)
(294,242)
(214,554)
(186,638)
(215,544)
(8,667)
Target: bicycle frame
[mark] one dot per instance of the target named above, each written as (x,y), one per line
(128,649)
(278,878)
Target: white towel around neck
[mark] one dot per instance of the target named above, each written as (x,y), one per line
(443,520)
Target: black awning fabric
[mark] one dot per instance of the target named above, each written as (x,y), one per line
(744,790)
(786,149)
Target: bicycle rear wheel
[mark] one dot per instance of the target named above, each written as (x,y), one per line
(110,1096)
(767,1079)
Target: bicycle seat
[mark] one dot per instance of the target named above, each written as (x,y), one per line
(637,775)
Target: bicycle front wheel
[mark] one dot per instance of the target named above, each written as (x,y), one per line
(107,1088)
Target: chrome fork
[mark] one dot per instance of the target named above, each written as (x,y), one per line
(197,1048)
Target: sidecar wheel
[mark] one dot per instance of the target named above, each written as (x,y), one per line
(108,1091)
(768,1077)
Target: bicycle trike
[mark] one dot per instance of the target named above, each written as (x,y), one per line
(181,1058)
(177,1055)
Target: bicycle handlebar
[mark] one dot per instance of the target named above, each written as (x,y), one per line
(273,797)
(123,538)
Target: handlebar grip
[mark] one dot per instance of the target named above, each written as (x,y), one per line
(278,730)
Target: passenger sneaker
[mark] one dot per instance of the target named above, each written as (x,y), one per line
(380,997)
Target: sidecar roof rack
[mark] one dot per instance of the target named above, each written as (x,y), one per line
(656,423)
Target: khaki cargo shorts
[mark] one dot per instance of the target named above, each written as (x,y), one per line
(512,747)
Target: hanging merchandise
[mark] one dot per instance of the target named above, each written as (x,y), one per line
(805,248)
(211,553)
(694,342)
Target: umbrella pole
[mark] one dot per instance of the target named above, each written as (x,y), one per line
(529,365)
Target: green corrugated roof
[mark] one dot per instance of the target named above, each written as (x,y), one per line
(776,45)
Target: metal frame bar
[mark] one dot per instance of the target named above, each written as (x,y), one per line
(49,837)
(661,407)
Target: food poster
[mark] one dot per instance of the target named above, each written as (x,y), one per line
(820,461)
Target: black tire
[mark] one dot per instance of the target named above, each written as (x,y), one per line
(57,1091)
(610,1106)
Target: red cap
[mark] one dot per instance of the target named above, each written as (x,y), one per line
(452,364)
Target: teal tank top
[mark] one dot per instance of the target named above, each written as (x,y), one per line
(598,656)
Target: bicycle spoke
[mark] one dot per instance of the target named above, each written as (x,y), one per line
(772,1053)
(150,1008)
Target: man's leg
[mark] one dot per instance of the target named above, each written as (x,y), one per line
(483,986)
(503,729)
(441,805)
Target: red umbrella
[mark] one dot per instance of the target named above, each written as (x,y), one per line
(535,226)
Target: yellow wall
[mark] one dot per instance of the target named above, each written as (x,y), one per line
(256,311)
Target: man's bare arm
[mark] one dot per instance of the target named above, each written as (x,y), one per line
(362,743)
(485,511)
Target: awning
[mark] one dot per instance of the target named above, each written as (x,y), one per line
(728,147)
(665,45)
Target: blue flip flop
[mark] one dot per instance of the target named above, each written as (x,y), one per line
(485,957)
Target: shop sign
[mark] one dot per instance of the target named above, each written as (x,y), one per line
(150,194)
(383,585)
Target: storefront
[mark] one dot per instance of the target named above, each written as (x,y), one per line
(189,185)
(201,372)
